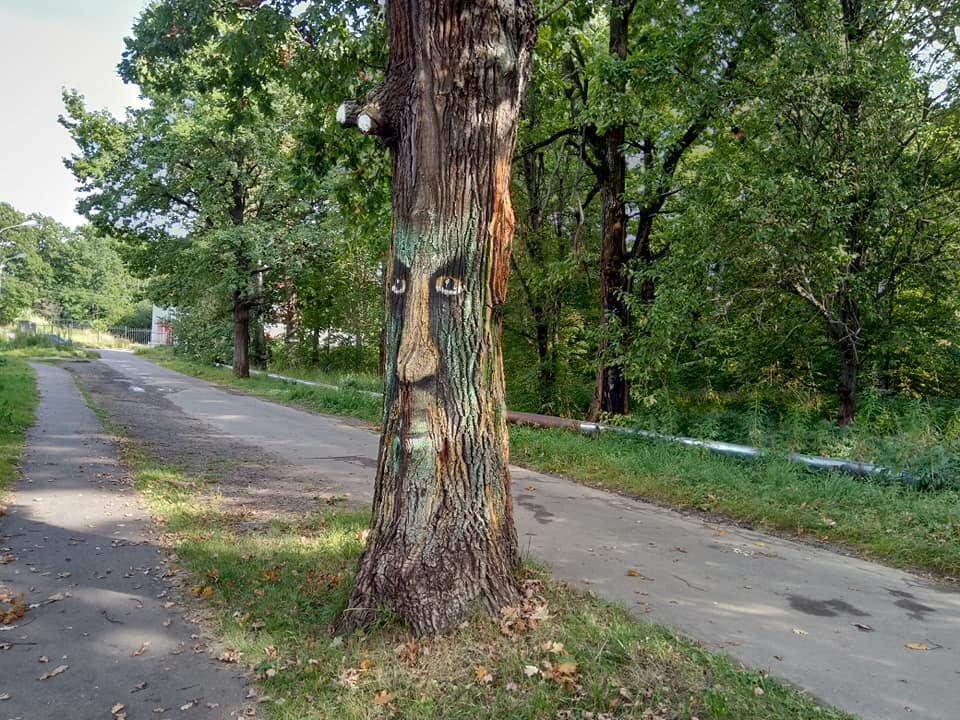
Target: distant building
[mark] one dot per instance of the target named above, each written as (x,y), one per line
(161,326)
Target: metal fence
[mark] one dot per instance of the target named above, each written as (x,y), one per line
(84,333)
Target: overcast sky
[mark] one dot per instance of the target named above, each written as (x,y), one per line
(46,45)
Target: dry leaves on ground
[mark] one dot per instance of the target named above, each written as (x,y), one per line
(53,673)
(140,650)
(230,655)
(383,697)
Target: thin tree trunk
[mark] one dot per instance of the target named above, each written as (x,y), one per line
(315,347)
(442,539)
(611,391)
(258,342)
(847,387)
(241,336)
(289,315)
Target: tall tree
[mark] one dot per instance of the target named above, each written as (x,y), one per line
(841,187)
(442,538)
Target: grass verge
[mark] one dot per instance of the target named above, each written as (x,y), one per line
(41,347)
(888,521)
(18,398)
(274,591)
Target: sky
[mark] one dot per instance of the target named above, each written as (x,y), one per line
(46,45)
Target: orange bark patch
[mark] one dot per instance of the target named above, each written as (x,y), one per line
(502,226)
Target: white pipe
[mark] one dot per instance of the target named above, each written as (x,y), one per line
(853,467)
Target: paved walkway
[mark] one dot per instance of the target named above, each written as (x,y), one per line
(102,628)
(833,625)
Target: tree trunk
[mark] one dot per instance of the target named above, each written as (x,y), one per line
(241,303)
(241,336)
(289,316)
(611,392)
(258,342)
(847,388)
(442,539)
(315,347)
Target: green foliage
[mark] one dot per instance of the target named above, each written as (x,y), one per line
(139,315)
(63,274)
(823,225)
(18,398)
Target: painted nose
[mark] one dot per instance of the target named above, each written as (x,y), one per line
(418,357)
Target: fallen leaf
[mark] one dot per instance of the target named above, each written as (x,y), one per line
(43,659)
(829,522)
(349,678)
(230,655)
(862,627)
(758,691)
(116,708)
(633,572)
(56,597)
(53,673)
(187,706)
(139,686)
(531,670)
(7,559)
(270,673)
(798,631)
(4,696)
(918,646)
(382,697)
(140,650)
(551,646)
(483,675)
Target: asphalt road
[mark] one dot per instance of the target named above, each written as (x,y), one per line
(103,635)
(835,626)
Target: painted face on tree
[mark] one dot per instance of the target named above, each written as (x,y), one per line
(427,304)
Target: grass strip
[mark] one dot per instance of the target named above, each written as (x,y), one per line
(887,521)
(563,653)
(18,399)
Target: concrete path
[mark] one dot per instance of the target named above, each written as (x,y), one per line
(835,626)
(102,628)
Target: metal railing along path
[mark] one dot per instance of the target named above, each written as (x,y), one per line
(747,452)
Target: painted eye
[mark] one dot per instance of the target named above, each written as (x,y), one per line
(449,285)
(398,286)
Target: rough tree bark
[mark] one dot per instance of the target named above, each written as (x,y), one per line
(241,303)
(442,538)
(611,391)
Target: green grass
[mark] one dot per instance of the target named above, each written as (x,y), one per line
(40,347)
(920,436)
(886,521)
(889,521)
(18,398)
(353,400)
(274,592)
